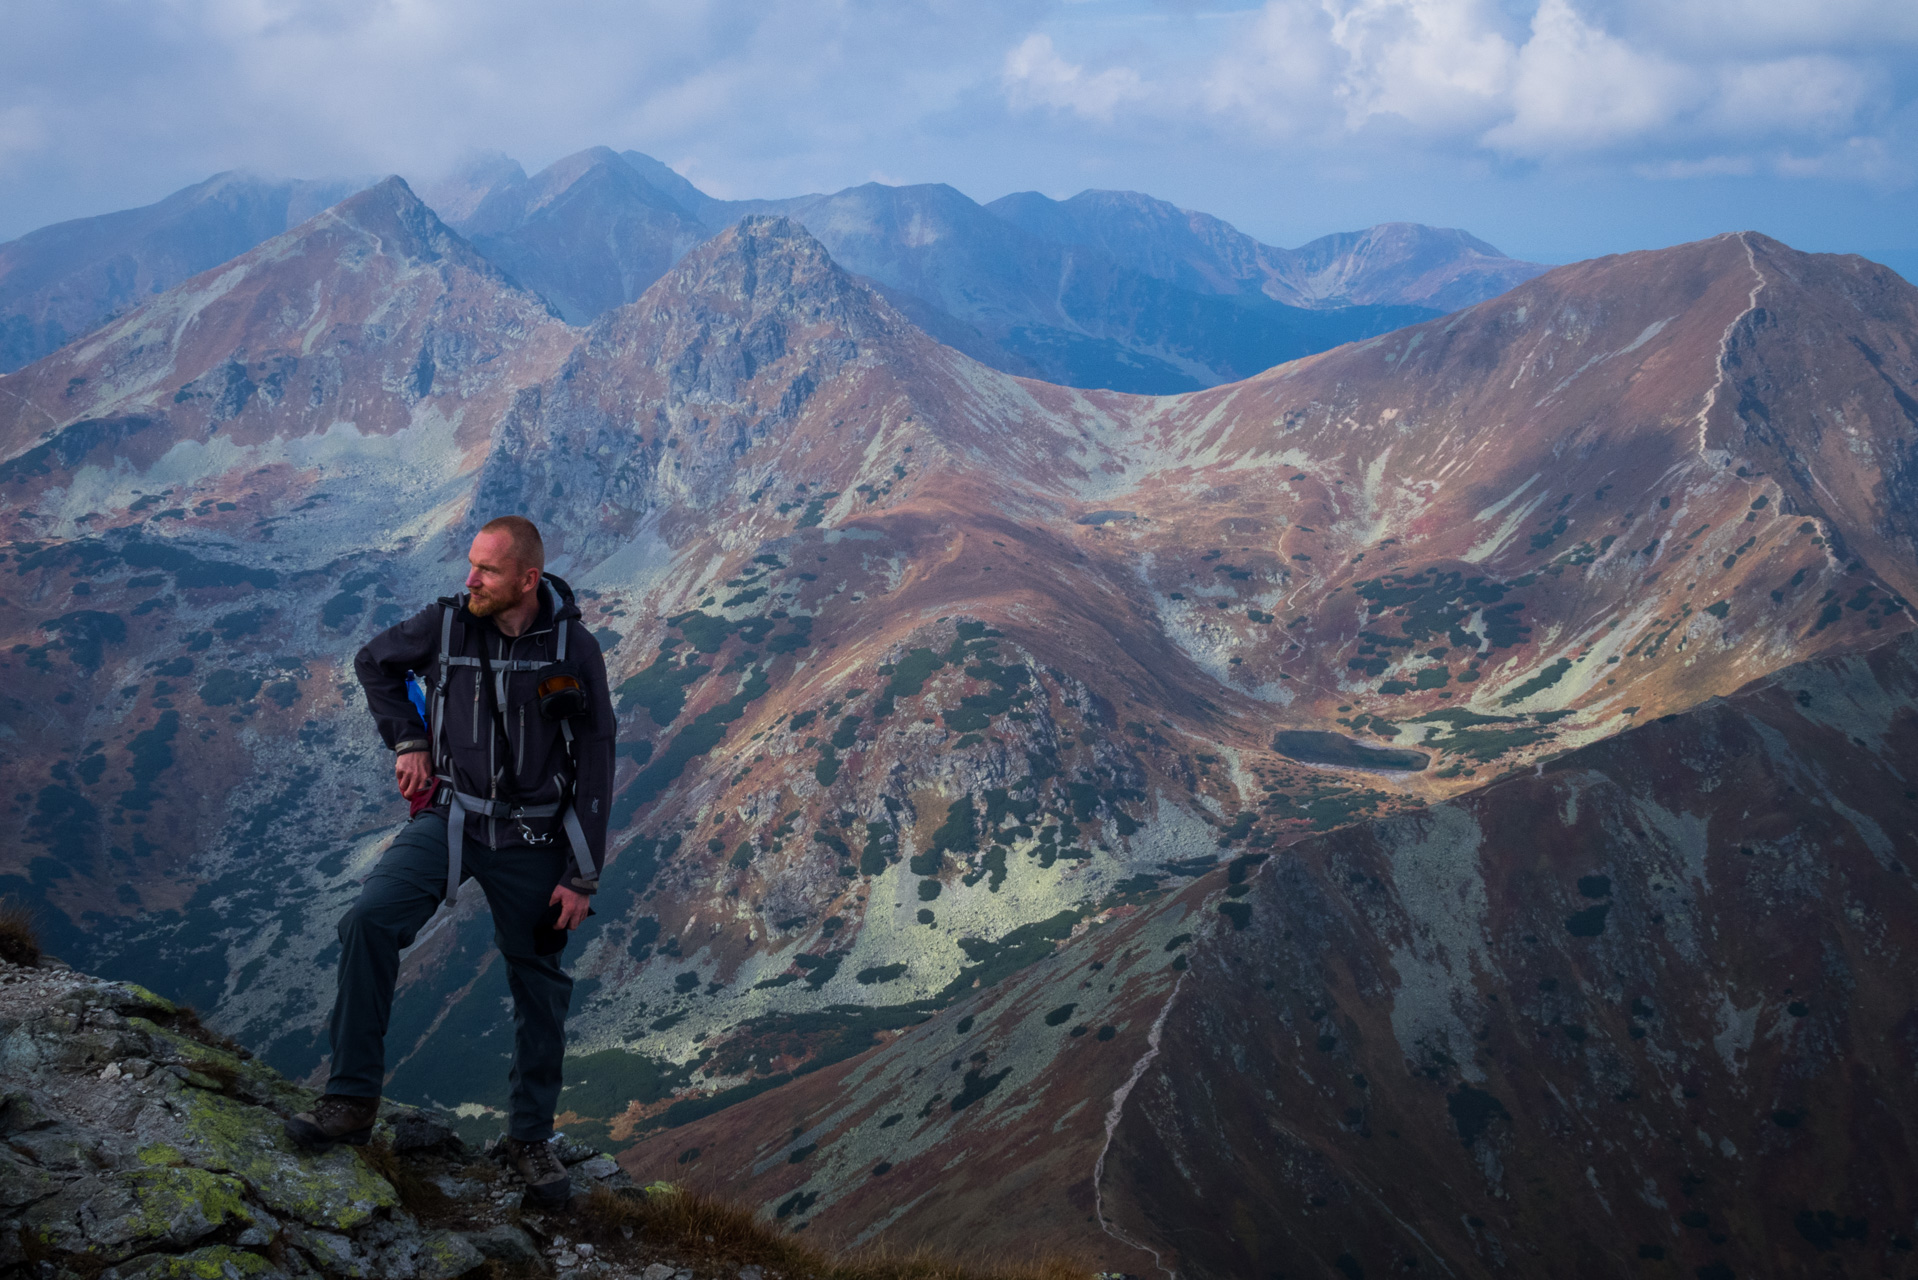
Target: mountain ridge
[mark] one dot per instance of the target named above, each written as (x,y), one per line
(64,280)
(594,229)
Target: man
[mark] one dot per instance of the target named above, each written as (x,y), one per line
(510,778)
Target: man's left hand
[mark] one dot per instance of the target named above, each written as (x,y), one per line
(572,906)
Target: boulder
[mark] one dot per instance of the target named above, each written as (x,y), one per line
(113,1216)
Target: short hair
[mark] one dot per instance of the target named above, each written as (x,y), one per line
(528,547)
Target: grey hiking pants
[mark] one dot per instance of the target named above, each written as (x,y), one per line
(395,903)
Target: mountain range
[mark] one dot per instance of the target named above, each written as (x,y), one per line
(1442,801)
(1108,289)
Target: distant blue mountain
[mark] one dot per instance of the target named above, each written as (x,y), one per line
(68,279)
(1108,289)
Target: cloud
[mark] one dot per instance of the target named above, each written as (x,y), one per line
(1437,64)
(1578,88)
(1704,86)
(1036,75)
(771,95)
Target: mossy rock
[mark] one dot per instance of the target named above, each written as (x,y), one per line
(140,999)
(116,1215)
(336,1191)
(215,1262)
(219,1069)
(446,1254)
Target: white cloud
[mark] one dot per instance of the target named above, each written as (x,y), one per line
(1036,75)
(1277,73)
(1438,64)
(1579,88)
(1666,86)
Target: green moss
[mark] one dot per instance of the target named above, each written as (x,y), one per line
(215,1262)
(336,1190)
(176,1205)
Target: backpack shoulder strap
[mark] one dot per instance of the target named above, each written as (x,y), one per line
(438,727)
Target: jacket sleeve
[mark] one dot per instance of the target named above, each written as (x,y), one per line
(382,665)
(594,738)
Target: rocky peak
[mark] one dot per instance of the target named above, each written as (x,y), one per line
(403,227)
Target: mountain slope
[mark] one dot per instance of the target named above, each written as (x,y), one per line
(923,669)
(1619,1010)
(65,280)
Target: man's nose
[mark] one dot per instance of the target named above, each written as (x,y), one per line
(473,578)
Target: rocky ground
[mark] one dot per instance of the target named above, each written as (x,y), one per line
(137,1144)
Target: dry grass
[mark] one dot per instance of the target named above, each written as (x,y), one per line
(19,944)
(698,1228)
(418,1196)
(185,1019)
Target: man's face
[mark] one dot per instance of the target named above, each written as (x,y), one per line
(497,580)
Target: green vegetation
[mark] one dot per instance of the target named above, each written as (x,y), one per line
(882,848)
(696,739)
(959,833)
(225,687)
(659,687)
(335,612)
(1314,747)
(994,961)
(85,633)
(1544,680)
(815,510)
(605,1083)
(846,734)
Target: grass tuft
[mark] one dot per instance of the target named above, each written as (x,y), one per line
(702,1229)
(19,944)
(419,1197)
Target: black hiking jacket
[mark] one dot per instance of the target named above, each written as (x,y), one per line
(536,753)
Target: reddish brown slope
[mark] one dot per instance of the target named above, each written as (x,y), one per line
(1654,1001)
(1650,1003)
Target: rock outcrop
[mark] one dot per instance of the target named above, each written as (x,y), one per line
(135,1144)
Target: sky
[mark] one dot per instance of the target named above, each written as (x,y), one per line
(1556,129)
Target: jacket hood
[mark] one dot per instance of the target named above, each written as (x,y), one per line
(568,610)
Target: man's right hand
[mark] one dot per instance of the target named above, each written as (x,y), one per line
(414,773)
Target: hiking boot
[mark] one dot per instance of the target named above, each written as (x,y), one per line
(537,1162)
(336,1119)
